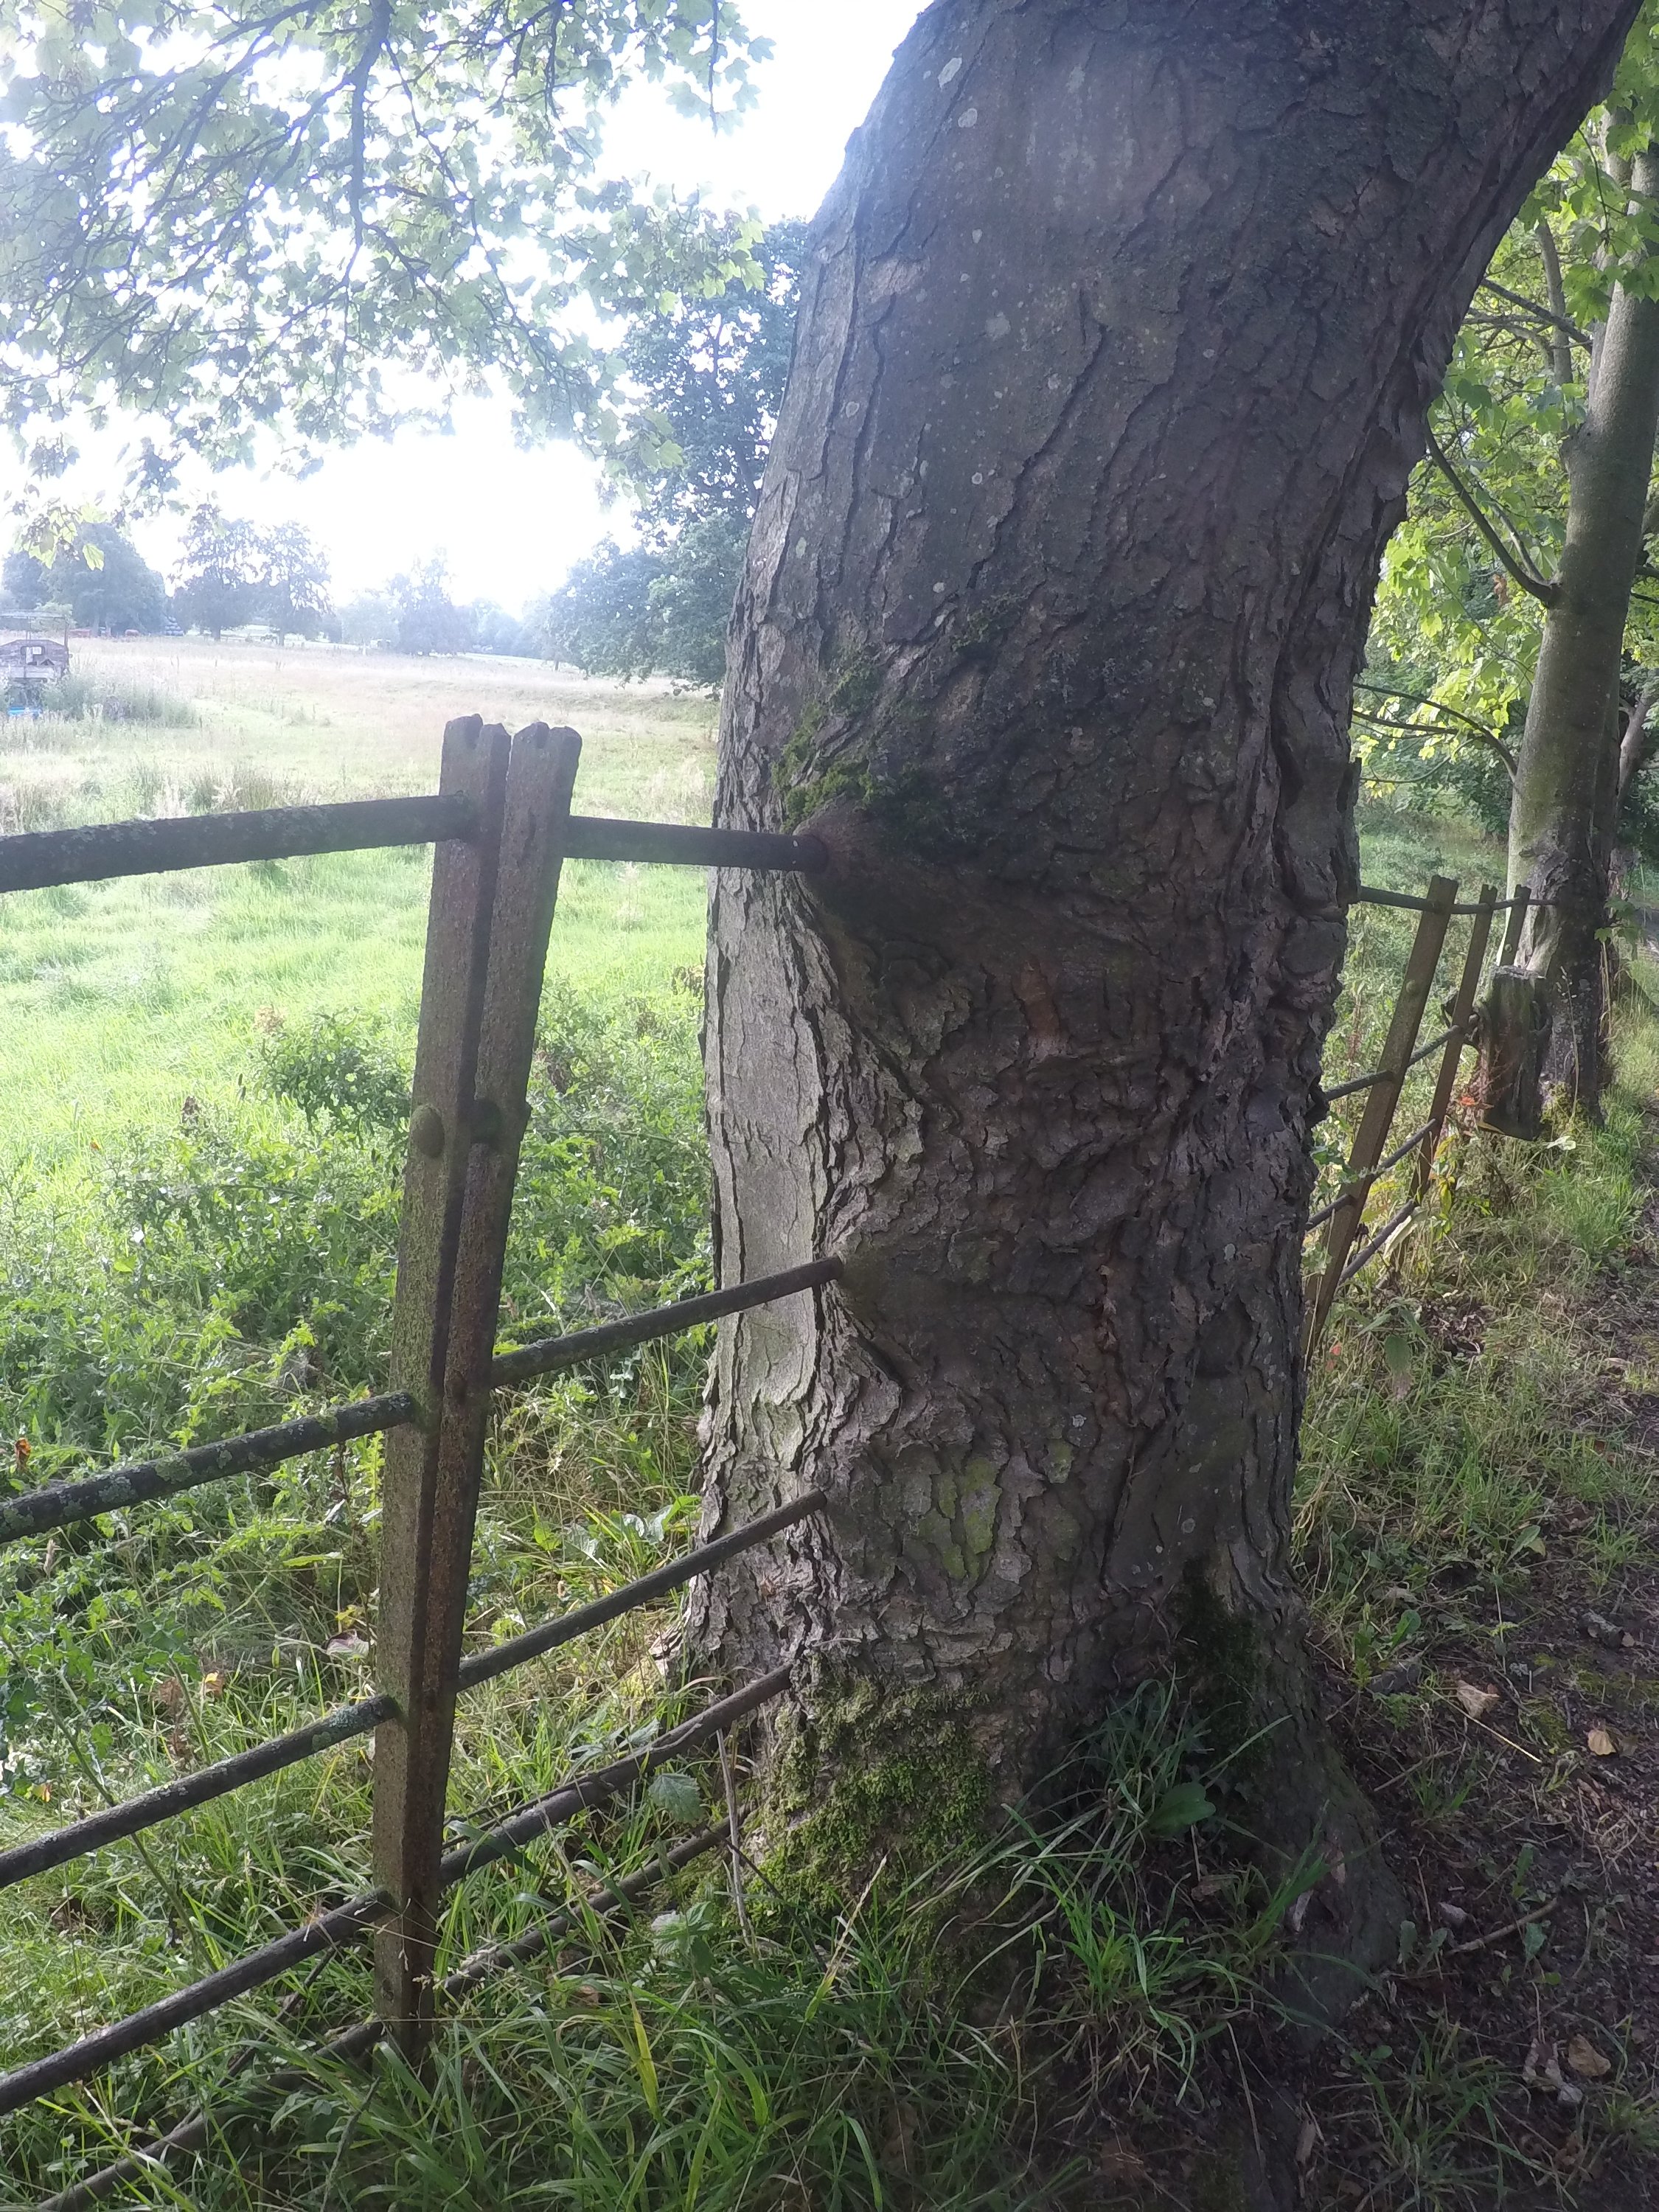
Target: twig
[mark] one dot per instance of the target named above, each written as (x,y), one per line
(1481,1942)
(736,1839)
(1532,306)
(1539,586)
(1509,1928)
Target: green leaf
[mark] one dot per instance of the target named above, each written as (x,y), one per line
(1179,1809)
(676,1796)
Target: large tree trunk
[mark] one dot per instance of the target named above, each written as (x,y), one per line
(1567,785)
(1111,371)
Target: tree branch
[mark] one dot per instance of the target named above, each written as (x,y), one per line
(1562,361)
(1545,314)
(1474,731)
(1539,587)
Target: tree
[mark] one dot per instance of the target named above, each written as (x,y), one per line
(704,374)
(495,630)
(217,582)
(225,216)
(370,619)
(291,587)
(115,591)
(1112,365)
(428,620)
(1508,621)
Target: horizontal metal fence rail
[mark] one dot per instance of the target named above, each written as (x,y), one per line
(41,859)
(166,1802)
(502,825)
(60,1504)
(608,1904)
(504,1839)
(1370,894)
(502,1658)
(548,1354)
(1358,1083)
(152,1807)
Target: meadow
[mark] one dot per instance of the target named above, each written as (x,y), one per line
(208,1077)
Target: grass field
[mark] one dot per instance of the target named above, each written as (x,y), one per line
(197,1221)
(116,1001)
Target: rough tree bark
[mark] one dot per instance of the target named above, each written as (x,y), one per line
(1568,782)
(1111,368)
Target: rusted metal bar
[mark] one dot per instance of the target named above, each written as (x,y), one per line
(487,949)
(1400,1153)
(1475,959)
(606,1903)
(59,1504)
(1368,1250)
(484,1665)
(1516,923)
(550,1353)
(1370,895)
(41,858)
(93,2052)
(190,1790)
(1398,1053)
(328,1930)
(1365,1082)
(592,837)
(508,1838)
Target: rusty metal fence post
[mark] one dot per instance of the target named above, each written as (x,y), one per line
(1383,1096)
(492,908)
(1462,1008)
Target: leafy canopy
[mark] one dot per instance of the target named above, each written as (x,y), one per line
(329,217)
(1456,633)
(702,380)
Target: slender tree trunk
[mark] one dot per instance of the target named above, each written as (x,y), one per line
(1564,814)
(1111,368)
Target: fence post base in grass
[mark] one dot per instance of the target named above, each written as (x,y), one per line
(1382,1098)
(492,908)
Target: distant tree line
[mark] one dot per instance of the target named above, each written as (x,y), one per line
(704,374)
(233,575)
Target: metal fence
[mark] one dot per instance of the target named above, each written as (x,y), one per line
(1369,1158)
(502,824)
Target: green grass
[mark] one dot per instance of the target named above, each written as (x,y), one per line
(197,1225)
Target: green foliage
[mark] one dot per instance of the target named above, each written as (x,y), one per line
(705,371)
(371,192)
(1456,632)
(232,572)
(116,591)
(339,1073)
(427,619)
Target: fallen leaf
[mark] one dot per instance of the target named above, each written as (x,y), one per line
(1454,1916)
(1601,1743)
(346,1647)
(1476,1703)
(212,1684)
(1541,2070)
(1586,2061)
(1308,2142)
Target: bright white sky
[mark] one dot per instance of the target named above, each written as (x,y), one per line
(508,522)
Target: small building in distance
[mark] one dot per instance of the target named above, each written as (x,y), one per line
(33,660)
